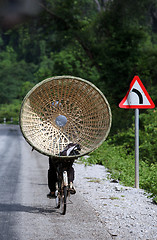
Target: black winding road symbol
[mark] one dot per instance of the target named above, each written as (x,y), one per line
(139,95)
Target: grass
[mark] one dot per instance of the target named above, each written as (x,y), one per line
(95,180)
(121,166)
(114,198)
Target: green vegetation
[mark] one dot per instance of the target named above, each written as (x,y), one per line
(105,42)
(10,112)
(95,180)
(114,198)
(117,154)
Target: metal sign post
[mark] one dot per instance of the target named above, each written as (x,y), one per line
(137,148)
(137,98)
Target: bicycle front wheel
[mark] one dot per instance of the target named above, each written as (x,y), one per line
(57,199)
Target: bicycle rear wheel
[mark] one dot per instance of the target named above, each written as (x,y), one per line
(64,200)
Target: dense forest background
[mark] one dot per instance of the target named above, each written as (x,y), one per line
(106,42)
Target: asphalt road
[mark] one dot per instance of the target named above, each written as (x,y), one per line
(25,211)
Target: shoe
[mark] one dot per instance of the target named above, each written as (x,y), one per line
(72,190)
(51,195)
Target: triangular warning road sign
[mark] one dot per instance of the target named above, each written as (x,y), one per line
(137,96)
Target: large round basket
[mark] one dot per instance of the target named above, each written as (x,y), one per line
(83,109)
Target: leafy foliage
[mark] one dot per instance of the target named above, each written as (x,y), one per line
(10,112)
(13,74)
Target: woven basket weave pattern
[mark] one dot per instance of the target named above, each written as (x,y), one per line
(86,109)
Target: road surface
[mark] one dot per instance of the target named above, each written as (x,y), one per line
(25,211)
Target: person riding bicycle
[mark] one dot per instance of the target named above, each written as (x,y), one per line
(71,150)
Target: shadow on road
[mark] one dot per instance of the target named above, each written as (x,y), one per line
(30,209)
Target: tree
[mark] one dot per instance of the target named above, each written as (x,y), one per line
(111,37)
(13,74)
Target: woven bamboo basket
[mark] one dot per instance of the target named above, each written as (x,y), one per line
(80,103)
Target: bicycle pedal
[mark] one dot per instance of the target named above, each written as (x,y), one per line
(72,190)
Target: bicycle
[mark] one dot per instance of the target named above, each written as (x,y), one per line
(63,184)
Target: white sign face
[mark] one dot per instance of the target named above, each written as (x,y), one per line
(137,96)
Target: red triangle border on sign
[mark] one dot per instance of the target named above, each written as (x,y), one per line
(152,105)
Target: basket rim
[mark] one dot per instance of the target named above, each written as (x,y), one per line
(62,78)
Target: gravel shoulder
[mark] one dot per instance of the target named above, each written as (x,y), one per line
(127,212)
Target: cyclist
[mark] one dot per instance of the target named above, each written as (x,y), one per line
(71,149)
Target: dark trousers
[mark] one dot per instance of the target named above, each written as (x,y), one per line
(52,175)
